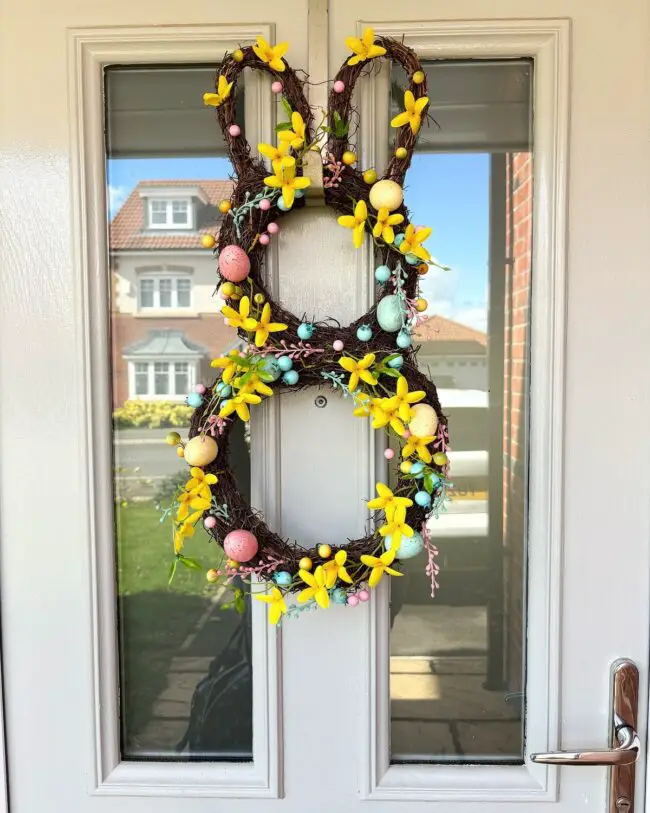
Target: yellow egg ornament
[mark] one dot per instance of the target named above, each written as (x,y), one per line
(421,305)
(180,451)
(418,77)
(348,158)
(212,575)
(238,55)
(224,206)
(208,241)
(406,467)
(305,563)
(201,451)
(324,551)
(424,421)
(370,176)
(401,153)
(386,195)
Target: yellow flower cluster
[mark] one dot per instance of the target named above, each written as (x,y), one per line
(246,383)
(394,411)
(194,499)
(242,319)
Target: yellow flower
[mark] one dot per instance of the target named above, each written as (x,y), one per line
(396,527)
(271,53)
(387,501)
(254,384)
(195,501)
(240,319)
(277,605)
(411,244)
(317,588)
(403,398)
(229,363)
(274,153)
(223,91)
(294,138)
(185,529)
(387,412)
(359,370)
(239,404)
(412,114)
(366,405)
(364,48)
(380,565)
(266,326)
(285,179)
(201,482)
(335,569)
(419,445)
(384,226)
(356,222)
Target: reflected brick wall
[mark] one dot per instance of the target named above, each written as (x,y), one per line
(519,203)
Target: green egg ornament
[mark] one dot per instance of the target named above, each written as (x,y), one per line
(389,314)
(409,546)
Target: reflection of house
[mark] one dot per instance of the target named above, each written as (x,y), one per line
(454,355)
(166,322)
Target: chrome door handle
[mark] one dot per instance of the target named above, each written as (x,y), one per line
(625,741)
(626,753)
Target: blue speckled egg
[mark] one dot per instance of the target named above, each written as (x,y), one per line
(282,578)
(435,480)
(222,389)
(270,369)
(290,377)
(422,499)
(411,259)
(339,596)
(382,273)
(364,333)
(282,206)
(410,546)
(399,240)
(389,313)
(285,363)
(417,467)
(299,193)
(305,331)
(396,363)
(404,339)
(194,400)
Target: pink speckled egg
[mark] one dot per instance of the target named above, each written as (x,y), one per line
(276,87)
(265,204)
(234,264)
(339,86)
(234,130)
(338,345)
(265,239)
(273,228)
(240,545)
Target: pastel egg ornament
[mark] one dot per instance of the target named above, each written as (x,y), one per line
(305,331)
(282,578)
(194,399)
(201,451)
(364,333)
(234,264)
(339,596)
(396,362)
(409,546)
(285,363)
(404,339)
(389,313)
(424,420)
(290,378)
(386,194)
(417,467)
(422,498)
(382,273)
(270,370)
(240,545)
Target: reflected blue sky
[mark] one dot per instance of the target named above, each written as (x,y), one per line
(449,192)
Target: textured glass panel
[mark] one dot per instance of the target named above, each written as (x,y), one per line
(185,661)
(457,661)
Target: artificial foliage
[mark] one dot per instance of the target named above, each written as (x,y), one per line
(372,361)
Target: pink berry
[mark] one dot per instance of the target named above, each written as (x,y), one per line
(265,204)
(338,345)
(273,228)
(200,388)
(389,454)
(364,595)
(353,600)
(276,87)
(234,130)
(210,522)
(339,86)
(265,239)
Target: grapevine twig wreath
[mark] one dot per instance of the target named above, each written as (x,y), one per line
(371,361)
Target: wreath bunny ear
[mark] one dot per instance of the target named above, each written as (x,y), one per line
(366,49)
(267,59)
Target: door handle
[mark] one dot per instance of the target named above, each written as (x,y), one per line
(623,754)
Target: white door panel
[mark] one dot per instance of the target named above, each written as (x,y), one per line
(335,693)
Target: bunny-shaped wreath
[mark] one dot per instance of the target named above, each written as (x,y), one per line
(372,360)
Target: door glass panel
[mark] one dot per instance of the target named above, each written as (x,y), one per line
(457,661)
(185,667)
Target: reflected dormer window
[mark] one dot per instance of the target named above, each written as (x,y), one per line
(170,214)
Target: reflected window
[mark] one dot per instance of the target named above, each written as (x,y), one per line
(457,662)
(185,662)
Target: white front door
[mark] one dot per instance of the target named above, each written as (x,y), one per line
(124,693)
